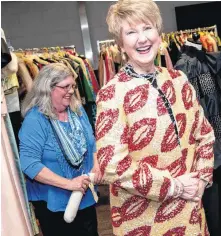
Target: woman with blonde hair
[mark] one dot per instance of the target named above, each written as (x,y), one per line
(57,147)
(154,144)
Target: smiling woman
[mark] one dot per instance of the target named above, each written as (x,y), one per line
(155,146)
(57,147)
(141,42)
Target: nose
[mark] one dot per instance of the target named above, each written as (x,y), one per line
(71,90)
(142,37)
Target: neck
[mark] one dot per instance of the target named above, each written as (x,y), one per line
(62,115)
(140,69)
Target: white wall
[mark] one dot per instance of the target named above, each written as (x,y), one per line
(45,24)
(42,24)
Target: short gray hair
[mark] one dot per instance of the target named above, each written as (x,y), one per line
(132,11)
(40,94)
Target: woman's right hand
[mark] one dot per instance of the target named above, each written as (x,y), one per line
(79,183)
(190,184)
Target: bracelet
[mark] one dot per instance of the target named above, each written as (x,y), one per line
(179,188)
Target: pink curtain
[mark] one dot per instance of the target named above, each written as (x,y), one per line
(15,220)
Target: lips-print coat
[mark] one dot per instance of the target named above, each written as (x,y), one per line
(139,153)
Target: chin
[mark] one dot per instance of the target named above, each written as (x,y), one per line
(66,104)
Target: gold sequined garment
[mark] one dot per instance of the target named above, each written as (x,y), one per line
(139,153)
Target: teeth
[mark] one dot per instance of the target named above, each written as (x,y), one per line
(143,49)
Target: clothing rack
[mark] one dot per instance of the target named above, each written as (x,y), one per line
(50,49)
(214,28)
(104,42)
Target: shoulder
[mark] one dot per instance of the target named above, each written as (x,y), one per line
(115,88)
(175,76)
(34,113)
(34,120)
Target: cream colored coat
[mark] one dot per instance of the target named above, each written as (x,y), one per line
(139,153)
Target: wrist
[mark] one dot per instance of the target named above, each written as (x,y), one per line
(178,188)
(67,184)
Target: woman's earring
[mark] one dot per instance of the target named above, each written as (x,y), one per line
(123,56)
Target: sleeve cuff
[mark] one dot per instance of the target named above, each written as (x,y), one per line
(171,190)
(33,170)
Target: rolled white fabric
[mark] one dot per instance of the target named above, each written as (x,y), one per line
(73,203)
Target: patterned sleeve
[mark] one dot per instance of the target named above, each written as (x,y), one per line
(117,166)
(203,136)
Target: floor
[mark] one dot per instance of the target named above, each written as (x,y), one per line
(103,212)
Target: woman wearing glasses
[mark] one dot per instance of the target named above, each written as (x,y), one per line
(57,146)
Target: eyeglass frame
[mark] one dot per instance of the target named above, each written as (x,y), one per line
(67,87)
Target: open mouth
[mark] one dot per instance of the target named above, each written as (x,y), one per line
(143,50)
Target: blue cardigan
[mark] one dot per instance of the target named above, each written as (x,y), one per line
(39,148)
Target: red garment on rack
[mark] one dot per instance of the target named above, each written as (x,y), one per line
(107,68)
(92,77)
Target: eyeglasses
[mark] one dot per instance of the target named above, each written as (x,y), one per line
(68,87)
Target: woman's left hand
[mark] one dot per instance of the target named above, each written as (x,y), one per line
(201,188)
(96,170)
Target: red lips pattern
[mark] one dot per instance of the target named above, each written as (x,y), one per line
(104,155)
(132,208)
(164,189)
(136,98)
(105,122)
(124,136)
(205,128)
(195,217)
(193,129)
(140,231)
(141,133)
(150,160)
(169,209)
(142,180)
(174,73)
(169,91)
(123,165)
(181,124)
(115,187)
(106,94)
(178,231)
(170,140)
(178,167)
(206,151)
(123,77)
(161,108)
(206,173)
(187,95)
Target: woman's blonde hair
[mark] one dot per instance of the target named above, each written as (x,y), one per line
(132,11)
(40,94)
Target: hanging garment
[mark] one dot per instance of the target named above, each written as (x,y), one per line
(204,73)
(24,74)
(86,83)
(15,207)
(92,77)
(5,54)
(101,70)
(31,66)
